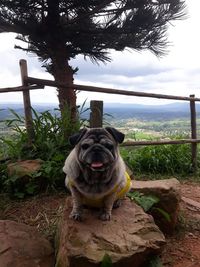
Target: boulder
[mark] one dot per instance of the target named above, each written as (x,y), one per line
(129,238)
(23,173)
(23,246)
(24,167)
(168,192)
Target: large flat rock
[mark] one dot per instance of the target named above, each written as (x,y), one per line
(23,246)
(129,238)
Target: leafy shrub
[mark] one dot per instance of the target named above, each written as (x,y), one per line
(106,261)
(49,137)
(3,175)
(163,159)
(50,144)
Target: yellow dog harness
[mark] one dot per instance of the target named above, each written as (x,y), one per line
(98,202)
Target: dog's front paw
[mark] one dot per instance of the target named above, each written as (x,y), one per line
(105,216)
(76,216)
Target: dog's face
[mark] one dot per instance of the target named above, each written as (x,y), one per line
(97,149)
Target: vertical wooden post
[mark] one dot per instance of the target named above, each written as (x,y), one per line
(27,102)
(96,114)
(193,133)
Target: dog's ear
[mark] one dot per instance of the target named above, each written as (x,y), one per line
(75,138)
(118,136)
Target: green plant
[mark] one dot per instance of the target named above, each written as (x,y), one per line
(106,261)
(3,174)
(163,159)
(147,202)
(165,214)
(50,145)
(49,140)
(19,187)
(52,172)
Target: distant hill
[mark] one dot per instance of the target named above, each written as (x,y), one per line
(19,109)
(117,110)
(149,112)
(174,107)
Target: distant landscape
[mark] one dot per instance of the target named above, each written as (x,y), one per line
(137,121)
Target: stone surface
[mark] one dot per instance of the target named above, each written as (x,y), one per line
(23,172)
(129,238)
(169,193)
(24,167)
(23,246)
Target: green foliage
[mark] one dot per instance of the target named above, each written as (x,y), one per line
(3,174)
(15,185)
(50,145)
(106,261)
(49,141)
(146,202)
(37,182)
(163,159)
(165,214)
(140,135)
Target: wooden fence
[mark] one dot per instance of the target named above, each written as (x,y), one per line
(30,83)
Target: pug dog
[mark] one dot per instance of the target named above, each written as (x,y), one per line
(95,172)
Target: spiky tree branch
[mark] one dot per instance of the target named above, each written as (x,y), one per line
(58,30)
(91,27)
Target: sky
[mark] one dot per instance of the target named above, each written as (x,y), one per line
(177,73)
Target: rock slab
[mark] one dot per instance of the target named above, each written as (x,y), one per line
(23,171)
(129,238)
(24,167)
(23,246)
(168,192)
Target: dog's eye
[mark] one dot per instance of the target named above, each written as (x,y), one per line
(109,146)
(85,146)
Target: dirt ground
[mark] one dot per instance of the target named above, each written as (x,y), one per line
(182,249)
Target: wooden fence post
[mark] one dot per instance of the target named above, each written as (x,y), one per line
(193,133)
(96,114)
(27,102)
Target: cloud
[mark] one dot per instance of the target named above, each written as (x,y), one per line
(175,74)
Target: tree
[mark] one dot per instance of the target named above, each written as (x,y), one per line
(58,30)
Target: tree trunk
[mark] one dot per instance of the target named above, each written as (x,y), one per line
(63,73)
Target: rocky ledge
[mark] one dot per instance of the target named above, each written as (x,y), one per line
(129,238)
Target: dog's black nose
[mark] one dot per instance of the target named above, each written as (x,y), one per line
(97,148)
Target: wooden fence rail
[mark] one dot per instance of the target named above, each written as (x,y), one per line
(161,142)
(30,83)
(96,121)
(78,87)
(20,88)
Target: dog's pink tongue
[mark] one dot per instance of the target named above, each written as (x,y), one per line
(96,164)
